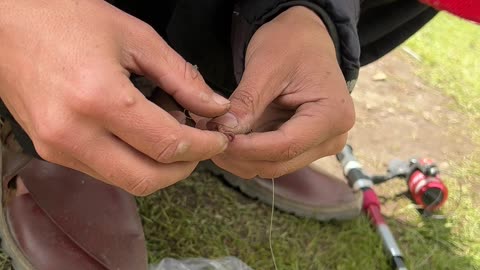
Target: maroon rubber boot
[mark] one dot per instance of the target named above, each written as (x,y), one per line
(65,219)
(309,192)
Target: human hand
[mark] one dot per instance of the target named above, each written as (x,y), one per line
(64,76)
(292,105)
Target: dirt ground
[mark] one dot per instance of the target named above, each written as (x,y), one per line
(400,117)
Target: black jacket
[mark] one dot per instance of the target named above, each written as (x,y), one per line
(214,34)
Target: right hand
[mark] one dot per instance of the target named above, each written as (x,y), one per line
(64,76)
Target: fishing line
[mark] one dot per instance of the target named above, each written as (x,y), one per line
(271,225)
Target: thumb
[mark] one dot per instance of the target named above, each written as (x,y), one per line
(257,89)
(155,59)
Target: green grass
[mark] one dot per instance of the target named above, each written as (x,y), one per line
(449,49)
(202,217)
(450,59)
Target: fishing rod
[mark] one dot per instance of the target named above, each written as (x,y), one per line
(424,184)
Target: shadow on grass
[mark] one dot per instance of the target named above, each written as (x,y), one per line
(202,217)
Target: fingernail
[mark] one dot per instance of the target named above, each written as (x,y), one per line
(227,120)
(226,141)
(220,100)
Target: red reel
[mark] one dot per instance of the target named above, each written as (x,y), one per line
(426,187)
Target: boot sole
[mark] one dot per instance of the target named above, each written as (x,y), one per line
(8,242)
(343,212)
(9,245)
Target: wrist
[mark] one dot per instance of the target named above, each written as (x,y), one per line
(300,15)
(299,28)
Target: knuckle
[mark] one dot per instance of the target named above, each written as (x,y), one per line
(148,35)
(146,28)
(337,145)
(143,29)
(148,184)
(86,98)
(142,186)
(190,72)
(52,134)
(134,181)
(274,172)
(165,150)
(349,120)
(348,116)
(293,150)
(45,152)
(247,99)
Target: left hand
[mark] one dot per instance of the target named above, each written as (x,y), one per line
(292,105)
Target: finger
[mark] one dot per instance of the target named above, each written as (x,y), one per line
(123,166)
(168,104)
(327,148)
(257,89)
(200,121)
(179,116)
(153,57)
(154,132)
(165,101)
(311,125)
(249,169)
(198,118)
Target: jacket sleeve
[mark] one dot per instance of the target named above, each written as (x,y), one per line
(339,16)
(467,9)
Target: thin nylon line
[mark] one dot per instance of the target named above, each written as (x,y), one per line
(271,225)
